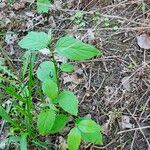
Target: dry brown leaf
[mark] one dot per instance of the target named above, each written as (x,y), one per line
(125,123)
(71,78)
(63,144)
(45,51)
(143,41)
(126,83)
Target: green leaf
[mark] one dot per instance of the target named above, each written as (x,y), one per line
(12,139)
(45,121)
(23,142)
(95,137)
(11,91)
(68,102)
(25,62)
(75,49)
(59,123)
(67,68)
(74,139)
(88,126)
(46,70)
(35,41)
(50,88)
(43,6)
(5,115)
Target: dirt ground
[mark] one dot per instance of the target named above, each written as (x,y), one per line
(113,89)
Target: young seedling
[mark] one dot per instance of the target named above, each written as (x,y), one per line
(78,19)
(54,113)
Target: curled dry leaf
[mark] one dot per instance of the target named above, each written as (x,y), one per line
(125,123)
(126,83)
(91,35)
(62,143)
(19,5)
(45,51)
(57,4)
(60,59)
(71,78)
(143,41)
(10,37)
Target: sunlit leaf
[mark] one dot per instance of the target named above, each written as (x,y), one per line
(35,41)
(46,70)
(74,139)
(75,49)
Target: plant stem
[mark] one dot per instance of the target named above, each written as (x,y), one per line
(56,69)
(29,100)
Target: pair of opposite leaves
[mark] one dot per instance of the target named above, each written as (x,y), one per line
(67,47)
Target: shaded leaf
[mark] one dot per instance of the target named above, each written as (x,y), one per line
(5,115)
(67,68)
(68,102)
(59,123)
(75,49)
(45,121)
(50,88)
(11,91)
(88,126)
(95,137)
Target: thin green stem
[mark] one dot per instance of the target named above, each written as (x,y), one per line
(56,69)
(29,99)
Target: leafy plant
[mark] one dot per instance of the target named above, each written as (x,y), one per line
(77,18)
(54,113)
(43,5)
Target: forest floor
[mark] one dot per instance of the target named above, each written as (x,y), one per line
(113,89)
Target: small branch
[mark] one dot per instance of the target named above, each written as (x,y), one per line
(134,129)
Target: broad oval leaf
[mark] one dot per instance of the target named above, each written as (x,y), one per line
(67,68)
(45,121)
(74,139)
(43,6)
(59,123)
(35,41)
(50,88)
(68,101)
(88,126)
(75,49)
(95,137)
(46,70)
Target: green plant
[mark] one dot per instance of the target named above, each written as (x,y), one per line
(43,5)
(78,19)
(96,16)
(54,113)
